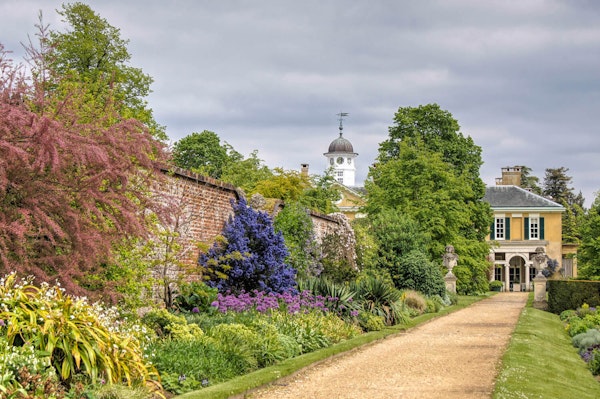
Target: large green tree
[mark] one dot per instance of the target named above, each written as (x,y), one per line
(429,171)
(203,153)
(92,59)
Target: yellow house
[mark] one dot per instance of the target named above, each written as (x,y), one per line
(523,222)
(350,202)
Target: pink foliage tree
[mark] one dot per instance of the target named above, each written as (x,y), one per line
(68,190)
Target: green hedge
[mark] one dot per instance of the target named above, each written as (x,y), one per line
(571,294)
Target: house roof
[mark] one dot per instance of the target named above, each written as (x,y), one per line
(510,197)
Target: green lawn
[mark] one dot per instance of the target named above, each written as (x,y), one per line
(541,362)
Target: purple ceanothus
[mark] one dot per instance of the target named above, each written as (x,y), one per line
(251,256)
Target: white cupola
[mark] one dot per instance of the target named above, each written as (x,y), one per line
(341,156)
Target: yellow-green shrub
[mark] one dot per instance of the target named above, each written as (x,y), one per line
(167,324)
(81,338)
(415,301)
(370,322)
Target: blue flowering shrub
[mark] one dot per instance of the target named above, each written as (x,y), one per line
(250,255)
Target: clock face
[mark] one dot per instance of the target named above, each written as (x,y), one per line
(340,160)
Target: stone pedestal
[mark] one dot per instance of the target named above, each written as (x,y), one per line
(450,280)
(539,292)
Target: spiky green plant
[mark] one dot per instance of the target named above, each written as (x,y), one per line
(381,299)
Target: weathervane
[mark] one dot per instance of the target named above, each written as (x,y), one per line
(341,115)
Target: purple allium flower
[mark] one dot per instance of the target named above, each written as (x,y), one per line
(2,323)
(195,310)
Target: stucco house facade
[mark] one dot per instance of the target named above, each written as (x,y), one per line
(523,222)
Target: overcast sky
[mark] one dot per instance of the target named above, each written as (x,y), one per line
(521,77)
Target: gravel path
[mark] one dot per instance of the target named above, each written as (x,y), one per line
(453,356)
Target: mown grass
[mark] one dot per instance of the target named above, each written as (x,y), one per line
(540,362)
(245,383)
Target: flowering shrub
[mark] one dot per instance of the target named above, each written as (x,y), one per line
(81,339)
(23,373)
(250,256)
(266,302)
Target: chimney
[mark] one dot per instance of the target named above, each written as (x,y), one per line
(304,169)
(511,176)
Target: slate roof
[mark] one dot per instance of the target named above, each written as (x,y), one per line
(516,197)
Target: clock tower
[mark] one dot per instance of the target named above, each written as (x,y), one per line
(341,156)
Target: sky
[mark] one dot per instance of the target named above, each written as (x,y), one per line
(521,77)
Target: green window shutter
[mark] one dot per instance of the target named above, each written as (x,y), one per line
(541,228)
(526,228)
(493,230)
(507,229)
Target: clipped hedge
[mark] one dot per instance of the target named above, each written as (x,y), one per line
(571,294)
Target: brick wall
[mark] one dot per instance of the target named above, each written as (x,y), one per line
(205,207)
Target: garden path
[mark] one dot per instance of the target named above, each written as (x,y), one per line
(454,356)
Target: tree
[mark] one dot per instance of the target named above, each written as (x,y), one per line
(402,251)
(429,171)
(557,187)
(93,57)
(246,173)
(440,133)
(249,256)
(286,185)
(321,194)
(530,182)
(69,191)
(589,251)
(203,153)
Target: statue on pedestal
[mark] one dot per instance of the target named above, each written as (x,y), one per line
(450,258)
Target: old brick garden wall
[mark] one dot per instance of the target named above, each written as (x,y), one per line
(204,206)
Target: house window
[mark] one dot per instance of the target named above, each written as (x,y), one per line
(515,274)
(534,228)
(499,228)
(498,273)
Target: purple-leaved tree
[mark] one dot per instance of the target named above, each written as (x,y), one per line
(249,255)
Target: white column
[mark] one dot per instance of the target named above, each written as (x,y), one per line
(507,277)
(527,276)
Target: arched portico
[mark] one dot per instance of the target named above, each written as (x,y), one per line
(515,270)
